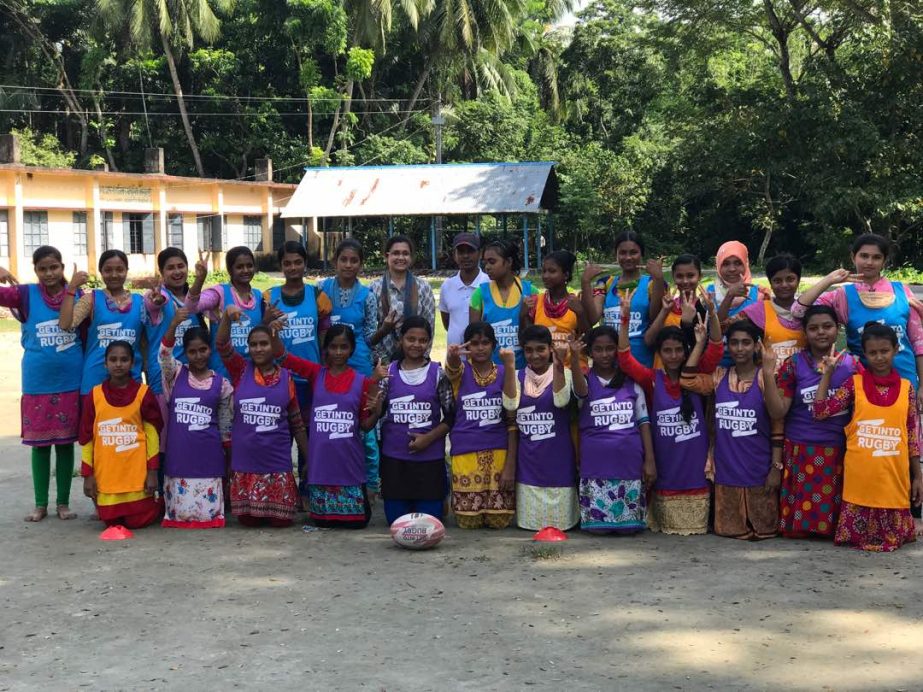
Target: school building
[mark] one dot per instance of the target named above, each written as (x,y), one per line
(85,212)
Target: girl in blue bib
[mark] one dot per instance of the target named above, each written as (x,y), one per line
(52,363)
(114,314)
(602,298)
(213,301)
(499,302)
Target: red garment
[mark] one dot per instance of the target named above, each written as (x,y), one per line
(118,396)
(880,391)
(132,515)
(335,384)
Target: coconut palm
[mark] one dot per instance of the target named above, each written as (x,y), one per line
(174,25)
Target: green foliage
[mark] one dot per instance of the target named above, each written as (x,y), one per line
(359,63)
(43,150)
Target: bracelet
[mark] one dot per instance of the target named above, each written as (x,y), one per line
(777,465)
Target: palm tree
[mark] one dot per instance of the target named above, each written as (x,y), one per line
(174,24)
(467,39)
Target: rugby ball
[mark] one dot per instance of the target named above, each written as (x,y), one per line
(417,531)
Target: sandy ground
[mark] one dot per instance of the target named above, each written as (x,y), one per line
(349,610)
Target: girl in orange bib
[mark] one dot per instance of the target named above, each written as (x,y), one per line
(120,433)
(881,475)
(782,332)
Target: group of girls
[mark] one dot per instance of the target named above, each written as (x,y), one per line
(683,409)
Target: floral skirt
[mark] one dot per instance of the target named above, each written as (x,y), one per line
(611,505)
(679,512)
(193,503)
(812,483)
(538,507)
(874,529)
(264,495)
(50,419)
(476,496)
(339,505)
(746,513)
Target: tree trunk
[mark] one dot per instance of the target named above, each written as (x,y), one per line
(417,90)
(310,124)
(767,236)
(104,133)
(781,35)
(347,109)
(181,102)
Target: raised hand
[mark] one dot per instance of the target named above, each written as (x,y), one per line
(655,268)
(707,300)
(625,304)
(769,356)
(700,330)
(276,327)
(201,267)
(6,277)
(180,316)
(233,313)
(575,304)
(380,372)
(456,351)
(687,306)
(829,362)
(576,346)
(591,271)
(274,313)
(839,276)
(508,357)
(559,351)
(391,320)
(530,302)
(374,399)
(78,279)
(739,290)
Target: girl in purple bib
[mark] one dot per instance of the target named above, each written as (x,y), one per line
(546,472)
(344,407)
(616,449)
(266,417)
(483,438)
(812,456)
(681,499)
(199,413)
(746,491)
(418,410)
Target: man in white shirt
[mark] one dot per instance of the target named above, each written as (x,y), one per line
(455,294)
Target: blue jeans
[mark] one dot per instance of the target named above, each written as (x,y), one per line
(398,508)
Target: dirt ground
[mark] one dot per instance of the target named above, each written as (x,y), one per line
(328,610)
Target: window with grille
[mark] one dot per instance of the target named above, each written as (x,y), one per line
(35,230)
(138,234)
(253,232)
(4,233)
(80,233)
(175,231)
(107,230)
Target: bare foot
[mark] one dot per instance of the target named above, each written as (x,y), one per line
(36,514)
(64,512)
(918,524)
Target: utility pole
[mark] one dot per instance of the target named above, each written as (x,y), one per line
(438,122)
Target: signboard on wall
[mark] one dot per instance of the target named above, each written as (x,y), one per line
(119,193)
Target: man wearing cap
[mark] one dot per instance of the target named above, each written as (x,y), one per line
(455,294)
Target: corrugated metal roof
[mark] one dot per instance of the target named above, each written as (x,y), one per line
(471,188)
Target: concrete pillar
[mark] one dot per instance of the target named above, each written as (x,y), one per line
(262,170)
(9,148)
(153,160)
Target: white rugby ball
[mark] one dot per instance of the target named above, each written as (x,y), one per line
(417,531)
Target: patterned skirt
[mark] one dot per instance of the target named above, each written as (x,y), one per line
(50,419)
(746,513)
(874,529)
(333,506)
(538,507)
(679,512)
(193,503)
(611,505)
(812,483)
(476,496)
(264,495)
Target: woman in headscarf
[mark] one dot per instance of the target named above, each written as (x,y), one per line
(733,289)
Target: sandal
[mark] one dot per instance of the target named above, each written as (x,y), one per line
(64,512)
(36,514)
